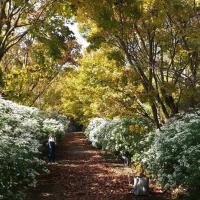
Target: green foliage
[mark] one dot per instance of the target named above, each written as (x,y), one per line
(22,130)
(125,136)
(100,87)
(19,165)
(174,156)
(53,33)
(30,74)
(158,40)
(35,46)
(43,20)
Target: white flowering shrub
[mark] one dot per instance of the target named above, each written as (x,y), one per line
(122,136)
(19,165)
(94,130)
(174,156)
(51,125)
(62,120)
(21,128)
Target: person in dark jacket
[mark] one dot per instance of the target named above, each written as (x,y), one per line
(126,158)
(51,148)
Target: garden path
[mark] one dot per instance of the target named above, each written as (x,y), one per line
(84,173)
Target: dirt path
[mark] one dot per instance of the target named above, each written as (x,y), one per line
(83,174)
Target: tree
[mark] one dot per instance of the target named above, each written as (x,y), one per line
(160,41)
(100,87)
(42,47)
(25,21)
(16,19)
(30,70)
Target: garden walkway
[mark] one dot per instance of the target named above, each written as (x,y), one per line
(84,173)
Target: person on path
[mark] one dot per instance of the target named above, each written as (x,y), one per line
(51,148)
(126,156)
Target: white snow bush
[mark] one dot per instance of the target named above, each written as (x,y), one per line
(123,136)
(174,155)
(52,125)
(61,119)
(94,130)
(21,128)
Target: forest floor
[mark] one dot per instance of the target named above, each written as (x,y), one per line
(85,173)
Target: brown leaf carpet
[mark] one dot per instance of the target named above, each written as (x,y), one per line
(83,173)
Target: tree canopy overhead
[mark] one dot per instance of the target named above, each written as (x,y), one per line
(43,19)
(36,45)
(157,39)
(160,39)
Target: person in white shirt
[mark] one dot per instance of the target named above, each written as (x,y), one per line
(51,148)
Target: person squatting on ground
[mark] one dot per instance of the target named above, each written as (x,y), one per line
(51,148)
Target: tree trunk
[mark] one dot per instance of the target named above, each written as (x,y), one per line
(1,54)
(155,114)
(169,100)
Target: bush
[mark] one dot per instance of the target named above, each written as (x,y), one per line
(94,130)
(53,126)
(58,118)
(174,156)
(21,129)
(125,136)
(19,165)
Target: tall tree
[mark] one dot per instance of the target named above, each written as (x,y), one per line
(36,44)
(16,18)
(29,70)
(160,40)
(100,87)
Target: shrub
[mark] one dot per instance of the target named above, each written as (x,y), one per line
(125,136)
(21,129)
(61,119)
(19,165)
(53,126)
(174,156)
(94,130)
